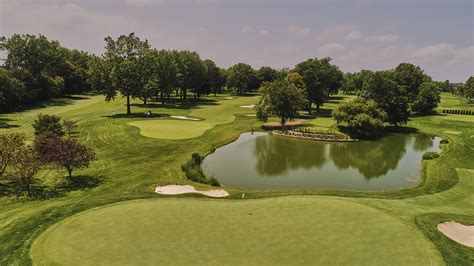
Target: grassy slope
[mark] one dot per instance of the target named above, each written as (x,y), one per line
(131,165)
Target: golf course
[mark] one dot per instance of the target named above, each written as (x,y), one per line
(116,218)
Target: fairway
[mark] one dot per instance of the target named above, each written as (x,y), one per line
(291,230)
(171,129)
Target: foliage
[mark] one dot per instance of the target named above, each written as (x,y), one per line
(11,146)
(427,99)
(11,91)
(321,78)
(364,118)
(280,98)
(39,69)
(389,96)
(25,167)
(69,126)
(430,155)
(267,74)
(242,78)
(410,77)
(353,83)
(193,171)
(69,154)
(48,124)
(468,91)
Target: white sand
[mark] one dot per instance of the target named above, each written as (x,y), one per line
(182,189)
(184,117)
(229,98)
(463,234)
(248,106)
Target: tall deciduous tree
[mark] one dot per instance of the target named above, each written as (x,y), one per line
(389,95)
(241,77)
(190,72)
(267,74)
(280,98)
(468,88)
(427,99)
(321,78)
(410,77)
(122,66)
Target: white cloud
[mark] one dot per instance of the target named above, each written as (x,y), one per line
(331,49)
(264,32)
(359,35)
(246,29)
(299,31)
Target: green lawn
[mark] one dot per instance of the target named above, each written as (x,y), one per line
(130,165)
(294,230)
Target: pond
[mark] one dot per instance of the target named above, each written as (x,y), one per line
(264,161)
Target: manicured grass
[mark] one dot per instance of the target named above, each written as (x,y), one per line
(130,165)
(296,230)
(171,129)
(451,101)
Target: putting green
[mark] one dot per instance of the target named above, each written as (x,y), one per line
(171,129)
(290,230)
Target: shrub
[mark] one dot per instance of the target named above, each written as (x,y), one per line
(193,171)
(430,155)
(48,124)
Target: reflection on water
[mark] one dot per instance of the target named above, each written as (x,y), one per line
(272,162)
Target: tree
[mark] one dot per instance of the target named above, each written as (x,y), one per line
(69,126)
(389,96)
(70,154)
(211,78)
(297,80)
(468,88)
(11,91)
(427,99)
(410,77)
(280,98)
(120,68)
(321,79)
(241,77)
(10,147)
(48,124)
(25,167)
(166,74)
(364,118)
(267,74)
(190,71)
(353,83)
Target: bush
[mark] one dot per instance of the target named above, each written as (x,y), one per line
(430,155)
(48,124)
(193,171)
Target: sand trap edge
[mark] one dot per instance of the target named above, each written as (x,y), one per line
(184,189)
(462,234)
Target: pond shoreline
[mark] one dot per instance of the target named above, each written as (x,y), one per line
(317,137)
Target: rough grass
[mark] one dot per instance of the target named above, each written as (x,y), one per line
(130,166)
(296,230)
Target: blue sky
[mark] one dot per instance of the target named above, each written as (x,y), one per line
(357,34)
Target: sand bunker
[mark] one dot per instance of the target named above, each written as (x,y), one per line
(248,106)
(229,98)
(183,189)
(463,234)
(184,117)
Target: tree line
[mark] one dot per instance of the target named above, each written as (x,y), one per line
(38,69)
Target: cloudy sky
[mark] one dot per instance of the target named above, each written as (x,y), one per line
(438,35)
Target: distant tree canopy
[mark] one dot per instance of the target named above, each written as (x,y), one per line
(39,69)
(321,78)
(282,99)
(427,99)
(468,91)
